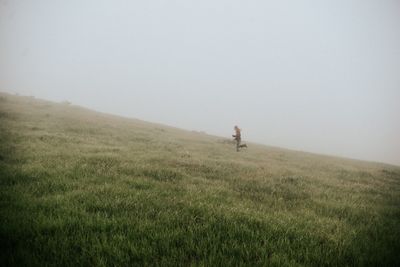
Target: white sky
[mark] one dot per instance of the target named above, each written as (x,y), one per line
(320,76)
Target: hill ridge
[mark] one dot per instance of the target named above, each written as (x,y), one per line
(67,104)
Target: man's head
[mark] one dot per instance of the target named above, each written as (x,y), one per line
(236,127)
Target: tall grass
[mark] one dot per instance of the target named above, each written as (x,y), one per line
(89,189)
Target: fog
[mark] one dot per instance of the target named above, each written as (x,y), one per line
(318,76)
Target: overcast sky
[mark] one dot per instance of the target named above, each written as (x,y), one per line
(319,76)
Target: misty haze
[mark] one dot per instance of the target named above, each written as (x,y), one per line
(117,124)
(321,77)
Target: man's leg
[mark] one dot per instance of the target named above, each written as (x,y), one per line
(237,144)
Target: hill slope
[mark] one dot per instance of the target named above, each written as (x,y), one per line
(85,188)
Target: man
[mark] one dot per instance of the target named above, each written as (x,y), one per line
(238,138)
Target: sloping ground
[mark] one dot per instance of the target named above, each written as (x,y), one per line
(88,189)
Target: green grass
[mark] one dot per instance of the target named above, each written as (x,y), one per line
(80,188)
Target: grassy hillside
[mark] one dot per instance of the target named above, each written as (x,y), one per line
(80,188)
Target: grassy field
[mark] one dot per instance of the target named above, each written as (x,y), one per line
(81,188)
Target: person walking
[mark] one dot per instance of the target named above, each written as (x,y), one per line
(238,137)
